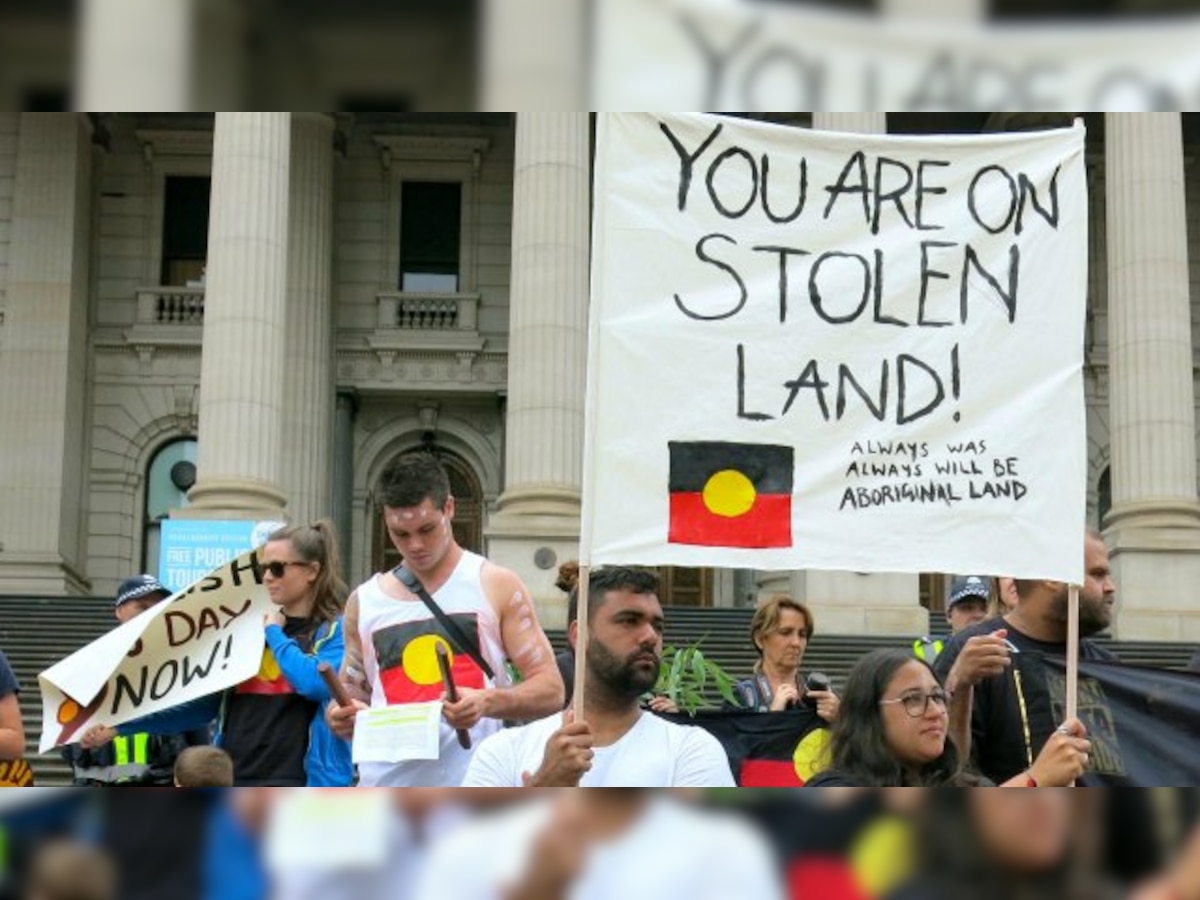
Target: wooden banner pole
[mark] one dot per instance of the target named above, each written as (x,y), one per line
(581,638)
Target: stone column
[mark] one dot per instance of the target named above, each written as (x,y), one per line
(851,602)
(545,73)
(308,388)
(243,375)
(44,359)
(1154,525)
(136,55)
(547,351)
(161,55)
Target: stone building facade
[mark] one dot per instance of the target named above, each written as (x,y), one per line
(248,315)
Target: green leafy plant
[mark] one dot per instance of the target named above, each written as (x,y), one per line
(692,680)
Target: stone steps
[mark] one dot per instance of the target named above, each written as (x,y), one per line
(35,633)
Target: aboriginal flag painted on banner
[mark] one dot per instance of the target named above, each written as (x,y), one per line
(730,495)
(1144,723)
(781,749)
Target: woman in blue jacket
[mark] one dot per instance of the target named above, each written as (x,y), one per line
(273,725)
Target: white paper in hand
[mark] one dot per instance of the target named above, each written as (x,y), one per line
(394,734)
(327,829)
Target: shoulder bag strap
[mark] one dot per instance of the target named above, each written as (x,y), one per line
(453,630)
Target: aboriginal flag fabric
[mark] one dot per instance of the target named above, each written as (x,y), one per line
(408,666)
(730,495)
(782,749)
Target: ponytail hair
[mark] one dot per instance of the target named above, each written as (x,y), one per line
(318,543)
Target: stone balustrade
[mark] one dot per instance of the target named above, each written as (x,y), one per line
(170,306)
(428,312)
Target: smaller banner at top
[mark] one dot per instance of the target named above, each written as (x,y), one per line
(847,351)
(764,55)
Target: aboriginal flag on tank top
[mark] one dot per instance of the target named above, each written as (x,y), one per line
(408,665)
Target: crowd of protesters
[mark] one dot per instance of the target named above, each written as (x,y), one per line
(948,712)
(253,843)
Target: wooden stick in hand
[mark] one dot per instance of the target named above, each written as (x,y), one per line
(336,689)
(464,738)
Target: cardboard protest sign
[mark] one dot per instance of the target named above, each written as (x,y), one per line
(846,351)
(762,56)
(203,639)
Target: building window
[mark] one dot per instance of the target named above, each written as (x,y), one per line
(430,236)
(171,475)
(185,229)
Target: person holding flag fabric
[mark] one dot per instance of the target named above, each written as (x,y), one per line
(780,631)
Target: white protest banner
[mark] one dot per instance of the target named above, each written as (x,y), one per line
(836,351)
(762,55)
(204,639)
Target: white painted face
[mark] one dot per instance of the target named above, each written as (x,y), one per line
(422,533)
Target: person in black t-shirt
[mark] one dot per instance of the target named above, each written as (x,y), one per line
(1006,704)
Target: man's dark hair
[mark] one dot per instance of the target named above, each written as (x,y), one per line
(413,478)
(611,578)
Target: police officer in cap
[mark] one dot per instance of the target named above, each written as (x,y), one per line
(966,603)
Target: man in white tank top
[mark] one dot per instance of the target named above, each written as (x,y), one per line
(391,635)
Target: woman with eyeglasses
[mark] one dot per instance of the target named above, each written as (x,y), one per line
(892,731)
(273,725)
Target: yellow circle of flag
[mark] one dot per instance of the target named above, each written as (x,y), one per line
(420,659)
(812,754)
(729,493)
(883,855)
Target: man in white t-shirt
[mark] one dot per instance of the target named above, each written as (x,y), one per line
(602,845)
(618,744)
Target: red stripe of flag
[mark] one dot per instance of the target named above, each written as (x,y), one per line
(768,523)
(769,773)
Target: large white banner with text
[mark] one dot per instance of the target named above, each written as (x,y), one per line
(836,351)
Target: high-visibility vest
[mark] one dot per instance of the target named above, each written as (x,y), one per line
(127,766)
(927,649)
(141,745)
